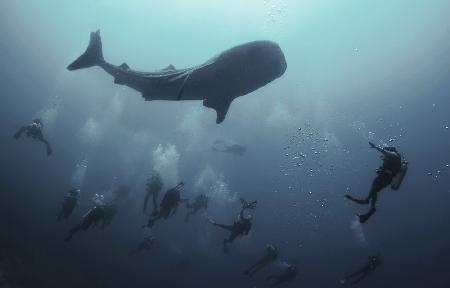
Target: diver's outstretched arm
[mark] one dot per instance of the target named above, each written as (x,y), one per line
(19,132)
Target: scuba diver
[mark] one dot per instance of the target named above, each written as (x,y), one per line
(201,202)
(168,204)
(372,263)
(270,256)
(391,173)
(34,130)
(95,215)
(287,275)
(145,245)
(153,187)
(70,202)
(240,227)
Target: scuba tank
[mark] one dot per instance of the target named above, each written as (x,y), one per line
(398,179)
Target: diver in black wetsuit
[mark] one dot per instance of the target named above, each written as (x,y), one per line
(270,256)
(240,227)
(372,263)
(95,215)
(70,202)
(287,275)
(154,186)
(392,164)
(145,245)
(168,204)
(34,130)
(201,202)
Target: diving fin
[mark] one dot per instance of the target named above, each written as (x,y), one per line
(92,56)
(398,179)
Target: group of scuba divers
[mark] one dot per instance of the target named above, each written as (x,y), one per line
(390,173)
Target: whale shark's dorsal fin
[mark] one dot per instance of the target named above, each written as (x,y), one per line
(168,68)
(221,106)
(124,66)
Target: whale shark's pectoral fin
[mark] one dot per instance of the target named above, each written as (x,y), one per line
(120,78)
(221,106)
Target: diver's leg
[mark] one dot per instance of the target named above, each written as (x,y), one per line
(380,182)
(250,270)
(260,265)
(359,201)
(147,196)
(357,273)
(224,226)
(155,205)
(19,132)
(360,278)
(229,240)
(383,180)
(153,219)
(60,215)
(72,232)
(47,145)
(364,217)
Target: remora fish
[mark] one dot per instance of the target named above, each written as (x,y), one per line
(233,73)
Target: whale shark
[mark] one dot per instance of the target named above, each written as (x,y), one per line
(217,82)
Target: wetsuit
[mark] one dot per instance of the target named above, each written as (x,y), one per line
(34,130)
(392,163)
(154,185)
(69,204)
(91,218)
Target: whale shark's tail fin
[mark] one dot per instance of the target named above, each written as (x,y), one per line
(92,56)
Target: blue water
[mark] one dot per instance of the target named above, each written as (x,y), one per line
(358,71)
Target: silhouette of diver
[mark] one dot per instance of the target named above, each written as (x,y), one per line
(270,256)
(392,165)
(372,263)
(153,187)
(70,202)
(201,202)
(287,275)
(168,204)
(240,227)
(99,213)
(34,130)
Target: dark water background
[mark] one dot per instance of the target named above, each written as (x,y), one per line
(356,72)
